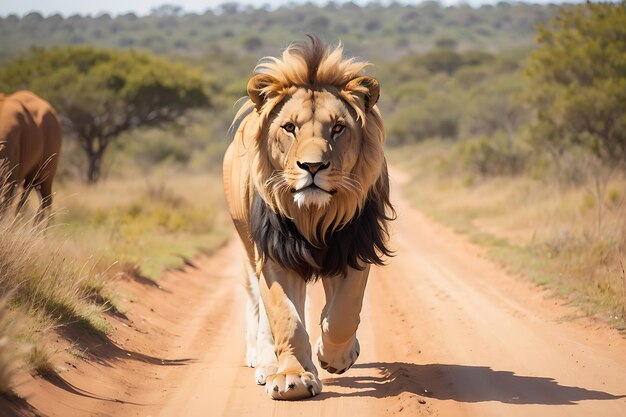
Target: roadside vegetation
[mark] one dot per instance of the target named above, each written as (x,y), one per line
(64,276)
(531,223)
(374,30)
(147,211)
(537,171)
(508,138)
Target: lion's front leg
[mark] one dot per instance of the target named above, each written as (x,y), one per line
(337,347)
(283,293)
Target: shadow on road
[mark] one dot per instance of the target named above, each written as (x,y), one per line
(103,350)
(462,383)
(59,382)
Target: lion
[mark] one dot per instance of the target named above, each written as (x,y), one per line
(306,182)
(30,142)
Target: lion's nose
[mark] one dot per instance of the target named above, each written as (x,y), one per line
(313,167)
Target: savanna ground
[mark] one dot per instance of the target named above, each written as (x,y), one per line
(444,332)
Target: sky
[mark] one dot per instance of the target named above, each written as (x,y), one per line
(143,7)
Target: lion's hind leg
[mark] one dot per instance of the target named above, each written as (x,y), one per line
(252,316)
(259,341)
(266,362)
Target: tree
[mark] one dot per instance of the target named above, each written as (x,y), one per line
(252,43)
(578,81)
(102,93)
(578,87)
(166,10)
(442,60)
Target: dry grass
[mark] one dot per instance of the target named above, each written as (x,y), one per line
(37,273)
(41,288)
(64,275)
(541,228)
(152,222)
(10,349)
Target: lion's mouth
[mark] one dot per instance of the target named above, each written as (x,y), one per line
(312,195)
(313,186)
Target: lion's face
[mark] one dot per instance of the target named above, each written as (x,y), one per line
(318,138)
(313,143)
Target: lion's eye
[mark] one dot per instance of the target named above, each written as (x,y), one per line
(338,128)
(289,127)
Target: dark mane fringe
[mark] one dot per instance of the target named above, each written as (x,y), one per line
(362,241)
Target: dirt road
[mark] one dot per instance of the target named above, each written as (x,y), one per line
(443,332)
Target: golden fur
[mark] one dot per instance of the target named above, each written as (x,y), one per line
(307,188)
(296,69)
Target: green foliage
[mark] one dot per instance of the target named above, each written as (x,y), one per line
(442,60)
(150,223)
(452,88)
(252,43)
(578,81)
(434,116)
(478,97)
(496,107)
(491,156)
(103,93)
(371,30)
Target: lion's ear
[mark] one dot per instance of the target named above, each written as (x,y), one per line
(368,88)
(257,88)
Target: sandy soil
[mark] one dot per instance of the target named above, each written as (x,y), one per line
(443,332)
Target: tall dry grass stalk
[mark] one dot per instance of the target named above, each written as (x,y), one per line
(41,287)
(11,349)
(37,275)
(5,184)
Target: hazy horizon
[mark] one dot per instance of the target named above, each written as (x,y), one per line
(143,7)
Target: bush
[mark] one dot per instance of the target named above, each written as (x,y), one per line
(252,43)
(442,60)
(492,156)
(157,150)
(434,117)
(578,81)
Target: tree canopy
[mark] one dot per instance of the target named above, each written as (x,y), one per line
(578,80)
(102,93)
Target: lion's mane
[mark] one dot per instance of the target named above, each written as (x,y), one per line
(352,230)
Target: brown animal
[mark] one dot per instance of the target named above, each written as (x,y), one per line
(30,142)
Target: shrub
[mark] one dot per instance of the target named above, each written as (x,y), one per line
(578,81)
(435,116)
(492,156)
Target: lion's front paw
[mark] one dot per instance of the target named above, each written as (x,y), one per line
(337,359)
(293,385)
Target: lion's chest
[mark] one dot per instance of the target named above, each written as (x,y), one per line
(359,242)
